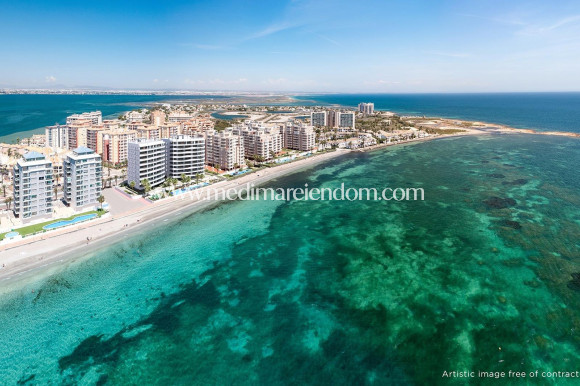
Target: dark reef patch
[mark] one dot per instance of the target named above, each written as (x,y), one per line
(499,203)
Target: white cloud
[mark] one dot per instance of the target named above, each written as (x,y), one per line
(50,79)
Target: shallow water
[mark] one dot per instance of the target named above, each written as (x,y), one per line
(476,277)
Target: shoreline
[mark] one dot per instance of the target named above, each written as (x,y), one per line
(44,254)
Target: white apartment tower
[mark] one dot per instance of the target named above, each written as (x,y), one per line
(32,187)
(366,108)
(82,177)
(146,160)
(56,136)
(185,155)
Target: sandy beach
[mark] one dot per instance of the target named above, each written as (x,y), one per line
(49,252)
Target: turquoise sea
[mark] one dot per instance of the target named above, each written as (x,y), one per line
(482,275)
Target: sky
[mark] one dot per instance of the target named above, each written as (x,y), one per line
(292,46)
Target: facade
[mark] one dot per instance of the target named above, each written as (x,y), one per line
(169,130)
(184,155)
(56,136)
(82,177)
(318,118)
(366,108)
(113,144)
(260,143)
(345,120)
(157,117)
(297,136)
(94,118)
(32,187)
(134,116)
(179,116)
(224,150)
(77,135)
(93,136)
(146,159)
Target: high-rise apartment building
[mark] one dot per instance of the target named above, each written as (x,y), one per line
(82,177)
(318,118)
(56,136)
(298,136)
(113,144)
(146,159)
(184,155)
(94,118)
(158,117)
(345,120)
(32,187)
(366,108)
(224,150)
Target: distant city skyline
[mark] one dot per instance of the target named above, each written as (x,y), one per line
(294,46)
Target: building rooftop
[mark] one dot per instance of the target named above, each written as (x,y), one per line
(33,156)
(83,150)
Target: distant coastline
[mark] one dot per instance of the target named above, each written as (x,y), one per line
(23,115)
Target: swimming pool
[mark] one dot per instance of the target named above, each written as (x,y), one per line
(69,222)
(10,235)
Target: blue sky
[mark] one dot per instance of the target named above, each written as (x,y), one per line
(300,45)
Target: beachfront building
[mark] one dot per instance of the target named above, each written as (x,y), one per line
(224,150)
(259,143)
(297,136)
(56,136)
(146,160)
(82,178)
(32,185)
(184,155)
(94,118)
(366,108)
(318,118)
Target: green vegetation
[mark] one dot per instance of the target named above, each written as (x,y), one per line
(221,124)
(431,130)
(31,229)
(381,122)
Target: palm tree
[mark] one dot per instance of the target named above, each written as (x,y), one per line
(116,180)
(146,185)
(55,189)
(101,199)
(8,201)
(132,185)
(198,177)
